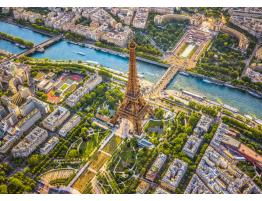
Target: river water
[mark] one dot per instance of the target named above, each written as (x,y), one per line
(23,33)
(64,50)
(241,100)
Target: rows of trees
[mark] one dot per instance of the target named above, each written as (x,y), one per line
(15,39)
(246,81)
(167,35)
(125,50)
(223,60)
(144,44)
(209,110)
(253,133)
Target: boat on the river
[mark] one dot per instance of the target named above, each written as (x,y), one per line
(22,46)
(92,62)
(183,73)
(229,85)
(72,42)
(254,94)
(81,53)
(207,81)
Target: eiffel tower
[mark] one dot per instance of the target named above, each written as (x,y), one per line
(133,107)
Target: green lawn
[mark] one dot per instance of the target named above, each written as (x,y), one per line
(112,144)
(64,86)
(128,156)
(86,148)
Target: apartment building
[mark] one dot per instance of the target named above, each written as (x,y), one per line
(49,145)
(140,19)
(56,118)
(28,145)
(174,174)
(192,145)
(156,167)
(88,86)
(69,125)
(29,120)
(203,125)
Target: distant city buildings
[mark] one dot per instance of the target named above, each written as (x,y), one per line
(124,14)
(248,19)
(22,14)
(102,25)
(162,10)
(101,16)
(120,37)
(140,19)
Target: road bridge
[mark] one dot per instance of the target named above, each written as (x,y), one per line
(165,79)
(39,47)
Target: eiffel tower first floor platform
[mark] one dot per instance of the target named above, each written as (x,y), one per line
(135,119)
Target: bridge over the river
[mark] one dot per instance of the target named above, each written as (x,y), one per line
(40,47)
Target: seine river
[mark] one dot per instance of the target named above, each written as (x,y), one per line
(64,50)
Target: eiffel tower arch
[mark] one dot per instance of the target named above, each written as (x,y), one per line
(133,107)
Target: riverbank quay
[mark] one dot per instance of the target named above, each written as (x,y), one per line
(211,80)
(121,54)
(85,65)
(120,76)
(182,99)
